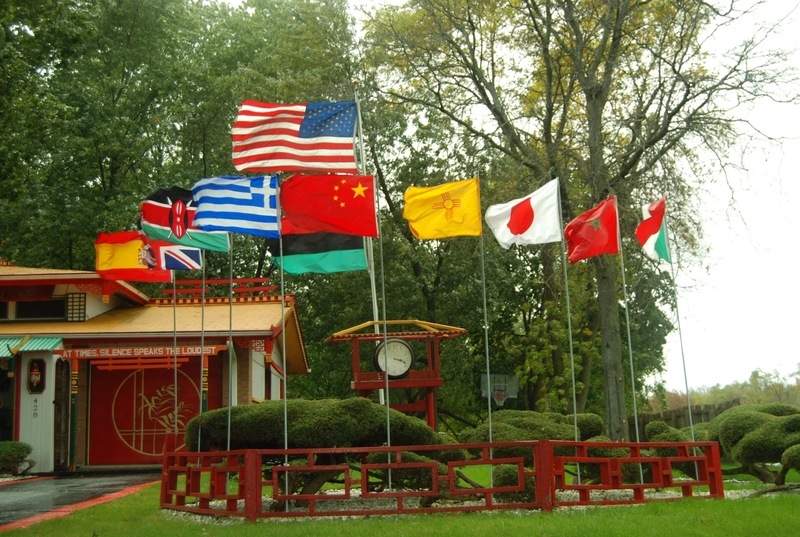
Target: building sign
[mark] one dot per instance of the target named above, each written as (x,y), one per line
(140,352)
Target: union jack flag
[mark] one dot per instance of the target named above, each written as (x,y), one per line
(177,257)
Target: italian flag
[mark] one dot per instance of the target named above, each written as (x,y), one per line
(652,231)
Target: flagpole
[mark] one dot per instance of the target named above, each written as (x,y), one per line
(628,326)
(486,353)
(630,350)
(368,242)
(284,378)
(175,355)
(673,273)
(203,404)
(383,395)
(230,341)
(569,322)
(576,431)
(486,340)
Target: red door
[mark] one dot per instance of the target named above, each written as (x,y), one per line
(134,415)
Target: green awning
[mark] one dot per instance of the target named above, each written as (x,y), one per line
(27,344)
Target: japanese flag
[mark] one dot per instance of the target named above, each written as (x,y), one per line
(533,219)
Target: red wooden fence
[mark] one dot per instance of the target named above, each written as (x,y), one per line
(544,475)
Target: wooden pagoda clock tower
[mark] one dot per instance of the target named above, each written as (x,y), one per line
(404,356)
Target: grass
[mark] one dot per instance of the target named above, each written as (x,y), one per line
(138,515)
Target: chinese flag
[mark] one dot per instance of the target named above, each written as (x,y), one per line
(343,204)
(594,232)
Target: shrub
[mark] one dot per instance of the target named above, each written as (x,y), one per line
(631,472)
(757,435)
(507,475)
(730,426)
(12,454)
(349,422)
(659,431)
(791,458)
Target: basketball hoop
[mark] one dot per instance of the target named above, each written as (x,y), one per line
(499,398)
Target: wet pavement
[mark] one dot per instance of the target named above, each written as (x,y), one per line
(28,498)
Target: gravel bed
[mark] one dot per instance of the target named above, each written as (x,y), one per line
(356,503)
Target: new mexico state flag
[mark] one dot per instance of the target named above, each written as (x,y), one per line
(448,210)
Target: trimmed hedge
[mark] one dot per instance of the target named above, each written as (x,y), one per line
(521,425)
(353,422)
(12,454)
(758,435)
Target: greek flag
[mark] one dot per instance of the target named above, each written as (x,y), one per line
(237,204)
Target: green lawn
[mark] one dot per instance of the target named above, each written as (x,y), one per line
(139,515)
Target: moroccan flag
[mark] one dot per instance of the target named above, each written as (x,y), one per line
(533,219)
(594,232)
(652,231)
(295,137)
(168,215)
(247,205)
(322,253)
(331,203)
(448,210)
(126,255)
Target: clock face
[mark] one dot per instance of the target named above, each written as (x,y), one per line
(394,357)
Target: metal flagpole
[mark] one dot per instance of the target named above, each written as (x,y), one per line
(673,273)
(284,378)
(628,326)
(569,321)
(230,341)
(486,352)
(486,341)
(569,330)
(175,356)
(203,403)
(383,395)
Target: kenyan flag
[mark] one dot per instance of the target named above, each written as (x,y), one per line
(168,215)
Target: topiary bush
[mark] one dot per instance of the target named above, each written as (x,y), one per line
(349,422)
(659,431)
(353,422)
(507,475)
(12,455)
(756,436)
(791,458)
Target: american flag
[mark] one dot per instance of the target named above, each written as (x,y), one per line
(295,137)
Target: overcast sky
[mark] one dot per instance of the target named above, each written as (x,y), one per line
(739,310)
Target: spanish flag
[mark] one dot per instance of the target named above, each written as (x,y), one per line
(126,255)
(448,210)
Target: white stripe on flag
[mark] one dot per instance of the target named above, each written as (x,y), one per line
(237,204)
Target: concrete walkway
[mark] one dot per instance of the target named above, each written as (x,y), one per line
(25,502)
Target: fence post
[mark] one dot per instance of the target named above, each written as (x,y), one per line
(252,486)
(543,470)
(714,465)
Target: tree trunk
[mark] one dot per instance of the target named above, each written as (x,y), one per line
(613,380)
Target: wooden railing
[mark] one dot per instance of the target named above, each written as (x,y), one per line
(375,480)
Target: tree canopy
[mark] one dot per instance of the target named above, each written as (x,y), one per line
(106,101)
(612,97)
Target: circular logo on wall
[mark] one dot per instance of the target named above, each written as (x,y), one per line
(147,409)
